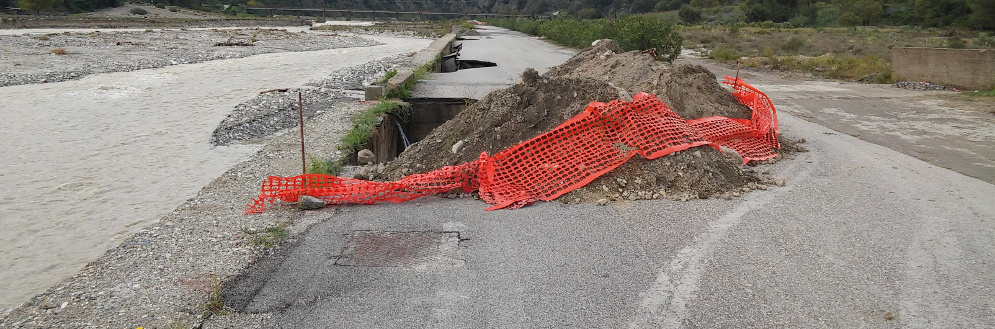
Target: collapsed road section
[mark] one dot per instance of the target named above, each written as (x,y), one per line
(578,141)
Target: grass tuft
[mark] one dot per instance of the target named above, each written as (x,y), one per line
(214,305)
(58,51)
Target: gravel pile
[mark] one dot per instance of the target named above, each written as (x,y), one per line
(916,85)
(274,111)
(30,58)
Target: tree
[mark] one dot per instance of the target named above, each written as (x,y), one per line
(37,5)
(587,13)
(869,11)
(848,19)
(982,14)
(689,15)
(643,6)
(940,12)
(769,10)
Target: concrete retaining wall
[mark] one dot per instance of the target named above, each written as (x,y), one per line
(406,74)
(969,69)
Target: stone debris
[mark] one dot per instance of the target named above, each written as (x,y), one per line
(307,202)
(920,85)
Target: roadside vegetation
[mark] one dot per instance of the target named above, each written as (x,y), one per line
(423,28)
(851,53)
(630,33)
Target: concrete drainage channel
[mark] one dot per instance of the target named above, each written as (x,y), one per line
(417,117)
(409,124)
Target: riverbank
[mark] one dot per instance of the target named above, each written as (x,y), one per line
(53,57)
(158,277)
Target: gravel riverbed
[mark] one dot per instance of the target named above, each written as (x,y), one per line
(164,275)
(53,57)
(270,112)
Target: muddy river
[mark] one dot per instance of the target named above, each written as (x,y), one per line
(86,163)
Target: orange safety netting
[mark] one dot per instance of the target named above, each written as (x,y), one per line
(570,156)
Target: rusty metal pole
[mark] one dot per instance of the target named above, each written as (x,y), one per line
(300,107)
(737,76)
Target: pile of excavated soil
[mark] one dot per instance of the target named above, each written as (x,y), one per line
(503,118)
(689,90)
(599,73)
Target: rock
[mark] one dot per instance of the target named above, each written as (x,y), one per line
(602,202)
(457,147)
(762,187)
(365,156)
(779,181)
(727,196)
(307,202)
(735,194)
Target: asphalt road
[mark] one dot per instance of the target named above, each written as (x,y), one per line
(513,52)
(860,236)
(934,126)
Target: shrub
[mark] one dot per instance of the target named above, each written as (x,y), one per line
(160,5)
(848,19)
(793,44)
(173,9)
(983,40)
(138,11)
(956,42)
(725,55)
(587,13)
(630,33)
(689,15)
(58,51)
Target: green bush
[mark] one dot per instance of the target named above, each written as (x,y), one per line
(725,55)
(848,19)
(362,123)
(956,42)
(689,15)
(160,5)
(138,11)
(983,40)
(793,44)
(630,33)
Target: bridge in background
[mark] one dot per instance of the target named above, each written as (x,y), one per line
(355,13)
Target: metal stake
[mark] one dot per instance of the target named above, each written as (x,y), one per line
(300,107)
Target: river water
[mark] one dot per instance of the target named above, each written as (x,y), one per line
(86,163)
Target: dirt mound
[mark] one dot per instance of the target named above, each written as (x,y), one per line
(689,90)
(502,119)
(599,73)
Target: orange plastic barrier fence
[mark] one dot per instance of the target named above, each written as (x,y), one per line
(570,156)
